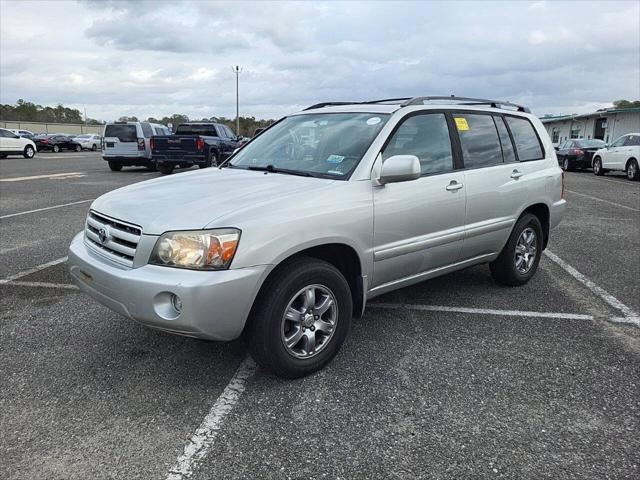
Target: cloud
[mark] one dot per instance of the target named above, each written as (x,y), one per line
(157,58)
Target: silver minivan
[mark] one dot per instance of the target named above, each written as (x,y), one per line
(321,212)
(128,143)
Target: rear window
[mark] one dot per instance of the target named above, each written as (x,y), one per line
(479,140)
(124,133)
(526,140)
(590,143)
(205,130)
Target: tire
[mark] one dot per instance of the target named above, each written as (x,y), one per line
(508,268)
(151,166)
(3,155)
(566,165)
(633,173)
(78,148)
(166,168)
(29,152)
(94,147)
(268,327)
(212,161)
(55,149)
(597,167)
(115,166)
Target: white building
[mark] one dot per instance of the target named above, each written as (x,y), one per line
(606,125)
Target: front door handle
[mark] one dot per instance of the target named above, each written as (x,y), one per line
(453,186)
(516,174)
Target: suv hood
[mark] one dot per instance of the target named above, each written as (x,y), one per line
(193,200)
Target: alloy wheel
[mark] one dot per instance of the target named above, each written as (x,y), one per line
(309,321)
(526,250)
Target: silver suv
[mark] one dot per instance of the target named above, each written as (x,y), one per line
(319,213)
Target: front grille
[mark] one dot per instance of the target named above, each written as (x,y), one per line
(121,241)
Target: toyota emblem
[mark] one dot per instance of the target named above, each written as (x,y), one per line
(103,235)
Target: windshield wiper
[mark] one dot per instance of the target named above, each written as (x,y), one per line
(271,169)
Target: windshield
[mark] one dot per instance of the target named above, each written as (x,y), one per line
(325,144)
(590,143)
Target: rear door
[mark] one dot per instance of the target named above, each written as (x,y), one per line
(419,224)
(501,155)
(121,140)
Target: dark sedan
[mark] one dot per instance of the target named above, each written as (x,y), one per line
(577,153)
(55,143)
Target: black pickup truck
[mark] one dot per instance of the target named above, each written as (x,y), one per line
(202,144)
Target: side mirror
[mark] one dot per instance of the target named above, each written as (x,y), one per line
(400,168)
(556,148)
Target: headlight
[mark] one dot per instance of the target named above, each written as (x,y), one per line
(198,249)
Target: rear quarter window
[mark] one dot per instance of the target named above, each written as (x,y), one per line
(124,133)
(146,130)
(526,139)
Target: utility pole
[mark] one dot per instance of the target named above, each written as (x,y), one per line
(85,116)
(237,70)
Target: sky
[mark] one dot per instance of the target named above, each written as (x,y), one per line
(158,58)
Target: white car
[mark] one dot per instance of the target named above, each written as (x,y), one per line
(89,141)
(12,144)
(21,133)
(622,155)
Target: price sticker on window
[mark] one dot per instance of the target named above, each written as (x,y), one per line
(462,124)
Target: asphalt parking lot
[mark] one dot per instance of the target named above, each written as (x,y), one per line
(452,378)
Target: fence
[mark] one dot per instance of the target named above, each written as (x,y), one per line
(38,127)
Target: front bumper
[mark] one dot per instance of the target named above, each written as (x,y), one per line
(215,304)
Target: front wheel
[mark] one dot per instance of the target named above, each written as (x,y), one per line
(78,148)
(165,168)
(519,258)
(114,166)
(301,318)
(29,152)
(56,149)
(632,170)
(597,167)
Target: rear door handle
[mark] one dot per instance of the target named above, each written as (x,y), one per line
(516,174)
(454,186)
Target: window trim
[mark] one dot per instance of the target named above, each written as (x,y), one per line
(455,148)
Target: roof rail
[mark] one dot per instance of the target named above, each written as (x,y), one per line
(367,102)
(328,104)
(466,101)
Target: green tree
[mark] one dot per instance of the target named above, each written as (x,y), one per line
(626,104)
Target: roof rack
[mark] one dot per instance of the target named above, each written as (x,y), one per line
(408,101)
(466,101)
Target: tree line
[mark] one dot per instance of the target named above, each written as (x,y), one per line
(24,111)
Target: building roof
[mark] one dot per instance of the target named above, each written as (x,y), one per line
(601,113)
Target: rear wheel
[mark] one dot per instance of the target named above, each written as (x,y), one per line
(78,148)
(301,318)
(115,166)
(55,149)
(94,147)
(3,155)
(212,161)
(519,258)
(632,170)
(28,152)
(597,166)
(166,168)
(566,165)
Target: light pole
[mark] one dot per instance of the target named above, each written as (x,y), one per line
(237,69)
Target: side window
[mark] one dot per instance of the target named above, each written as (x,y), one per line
(3,133)
(508,154)
(427,137)
(229,132)
(632,141)
(479,140)
(146,130)
(527,142)
(619,142)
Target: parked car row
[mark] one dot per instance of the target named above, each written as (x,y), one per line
(155,147)
(622,155)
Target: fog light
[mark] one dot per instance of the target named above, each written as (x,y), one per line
(176,302)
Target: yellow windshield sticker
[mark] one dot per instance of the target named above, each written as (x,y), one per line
(461,123)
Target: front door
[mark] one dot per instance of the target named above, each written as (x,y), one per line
(599,130)
(419,224)
(615,156)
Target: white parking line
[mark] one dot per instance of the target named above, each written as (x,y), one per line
(481,311)
(46,208)
(24,273)
(38,177)
(603,200)
(629,314)
(201,441)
